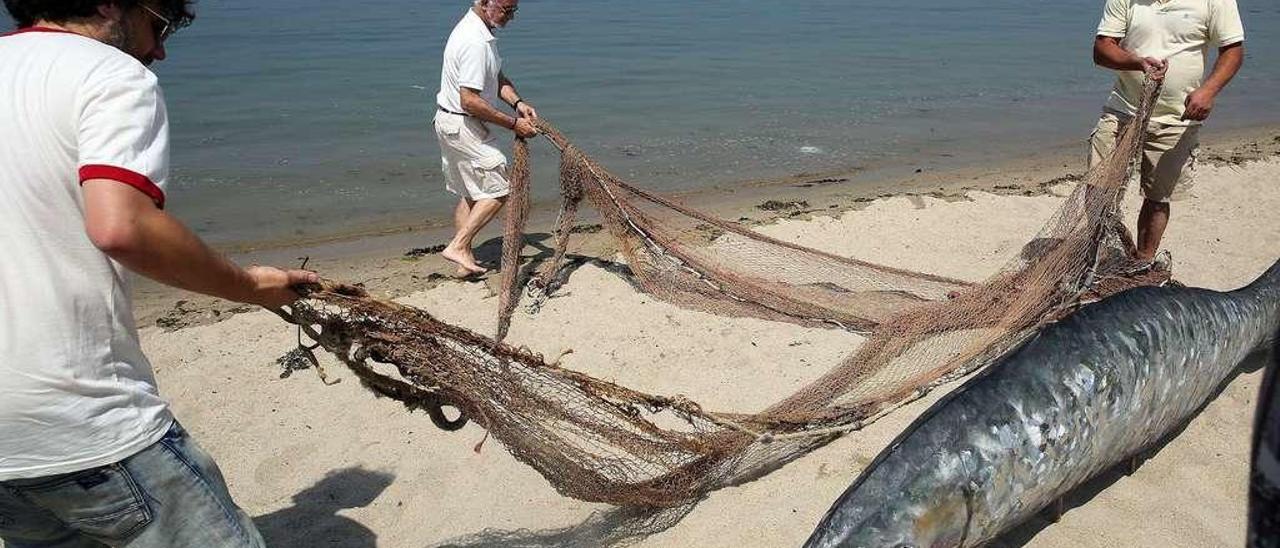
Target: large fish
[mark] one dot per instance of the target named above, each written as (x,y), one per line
(1084,395)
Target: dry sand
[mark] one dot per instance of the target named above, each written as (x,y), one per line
(333,466)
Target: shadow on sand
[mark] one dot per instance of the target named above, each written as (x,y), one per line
(489,255)
(313,519)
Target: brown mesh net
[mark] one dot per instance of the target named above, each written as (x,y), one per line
(687,257)
(597,441)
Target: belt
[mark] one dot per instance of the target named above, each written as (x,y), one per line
(442,109)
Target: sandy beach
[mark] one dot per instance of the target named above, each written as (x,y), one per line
(333,466)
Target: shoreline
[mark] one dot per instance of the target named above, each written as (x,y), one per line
(878,173)
(399,261)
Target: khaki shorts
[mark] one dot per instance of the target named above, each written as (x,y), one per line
(1168,155)
(473,167)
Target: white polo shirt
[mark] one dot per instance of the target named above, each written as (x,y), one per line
(1180,31)
(470,60)
(76,391)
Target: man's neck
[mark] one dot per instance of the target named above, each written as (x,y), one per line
(83,28)
(480,14)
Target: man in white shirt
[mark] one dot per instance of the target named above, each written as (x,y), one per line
(90,455)
(471,83)
(1169,39)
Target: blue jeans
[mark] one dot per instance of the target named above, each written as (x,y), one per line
(170,494)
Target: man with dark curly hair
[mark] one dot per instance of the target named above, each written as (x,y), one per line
(90,455)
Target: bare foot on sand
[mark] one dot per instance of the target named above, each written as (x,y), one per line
(464,274)
(466,262)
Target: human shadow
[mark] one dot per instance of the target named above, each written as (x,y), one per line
(313,519)
(1081,495)
(573,262)
(489,254)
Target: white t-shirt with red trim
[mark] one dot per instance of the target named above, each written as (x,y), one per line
(76,391)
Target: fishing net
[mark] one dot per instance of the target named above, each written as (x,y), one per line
(601,442)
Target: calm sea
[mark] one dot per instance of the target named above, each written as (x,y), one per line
(309,118)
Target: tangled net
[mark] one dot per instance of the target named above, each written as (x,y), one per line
(601,442)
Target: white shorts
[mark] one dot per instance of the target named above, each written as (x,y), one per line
(473,167)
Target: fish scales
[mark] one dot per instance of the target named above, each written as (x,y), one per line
(1079,398)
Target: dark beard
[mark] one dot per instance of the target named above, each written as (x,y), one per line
(118,35)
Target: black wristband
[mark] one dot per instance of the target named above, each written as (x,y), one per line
(517,103)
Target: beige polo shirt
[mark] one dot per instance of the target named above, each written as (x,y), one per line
(1179,31)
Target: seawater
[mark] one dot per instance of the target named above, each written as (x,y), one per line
(306,119)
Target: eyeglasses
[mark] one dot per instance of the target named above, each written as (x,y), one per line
(510,10)
(165,31)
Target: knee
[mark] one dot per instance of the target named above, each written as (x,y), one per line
(1152,206)
(491,203)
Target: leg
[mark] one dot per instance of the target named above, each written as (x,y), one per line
(24,524)
(459,249)
(1168,161)
(188,497)
(460,216)
(1152,221)
(169,494)
(1103,138)
(479,178)
(461,213)
(1101,143)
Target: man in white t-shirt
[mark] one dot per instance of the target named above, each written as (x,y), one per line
(471,83)
(1169,39)
(90,455)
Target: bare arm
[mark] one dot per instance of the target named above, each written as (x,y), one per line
(507,91)
(128,227)
(1200,102)
(1107,52)
(475,105)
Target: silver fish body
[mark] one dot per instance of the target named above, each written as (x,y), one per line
(1079,398)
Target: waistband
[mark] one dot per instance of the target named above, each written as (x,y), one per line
(445,110)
